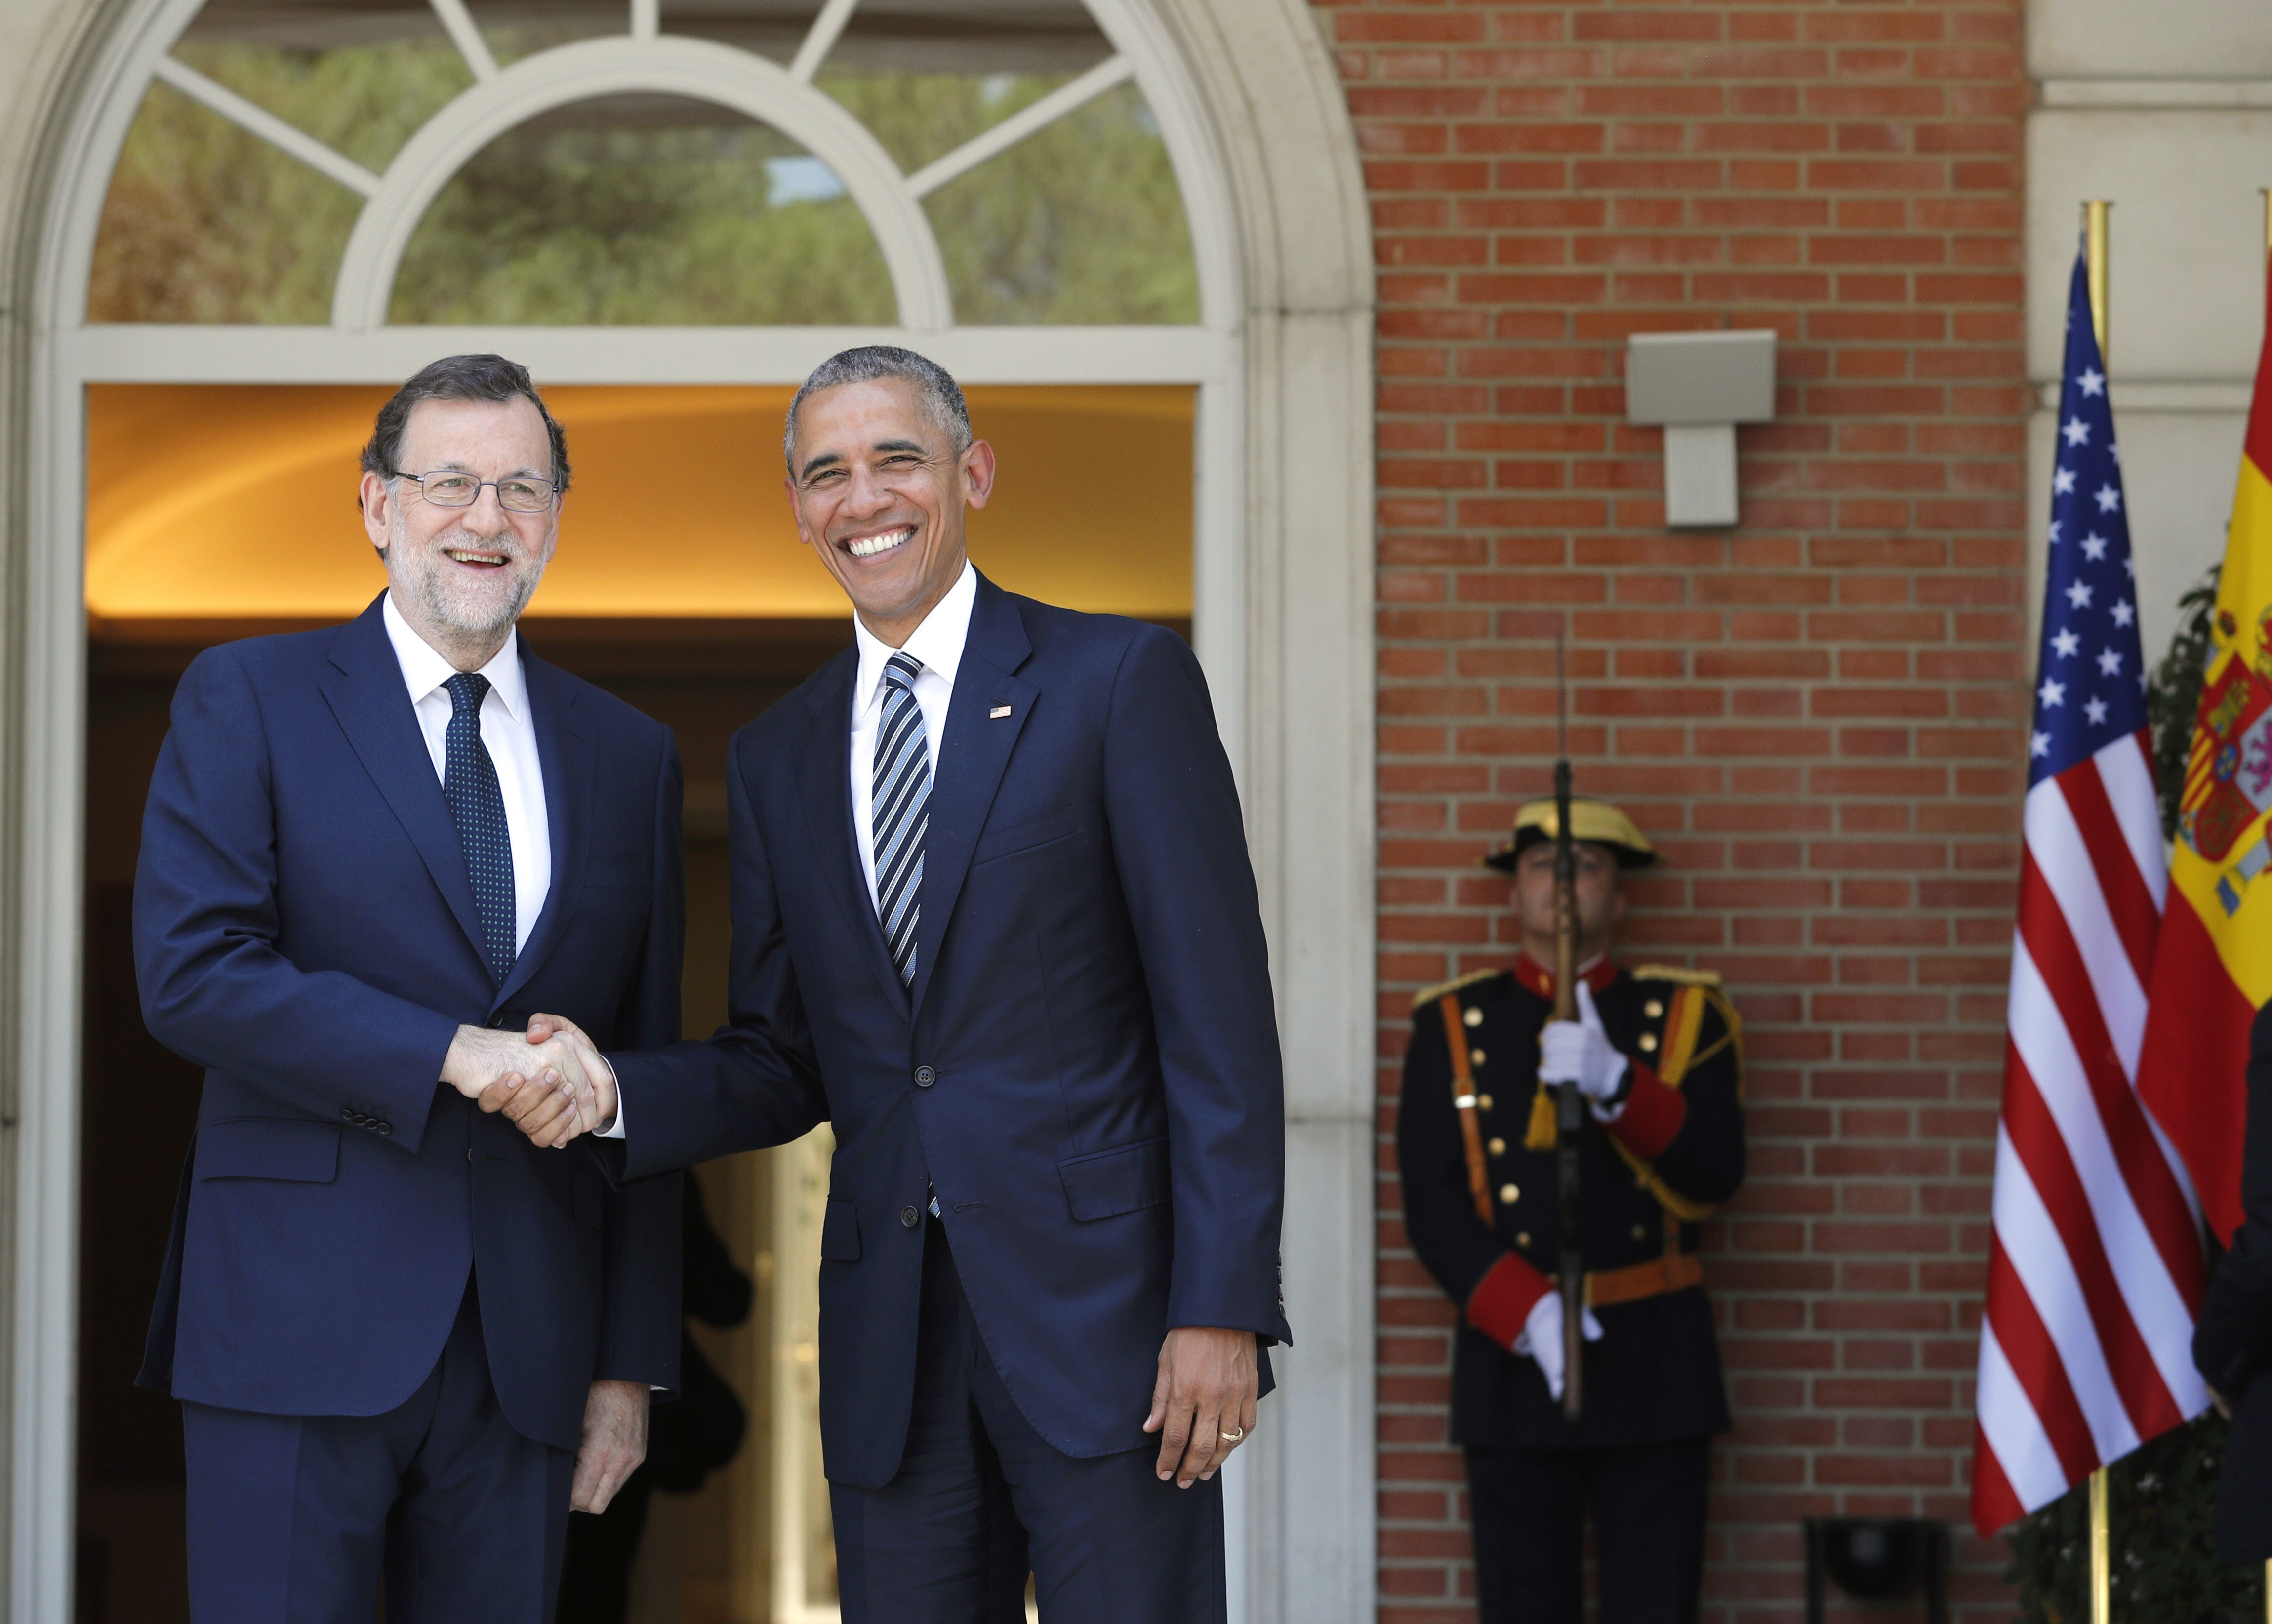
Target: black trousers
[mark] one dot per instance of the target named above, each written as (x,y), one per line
(293,1518)
(1528,1510)
(980,1494)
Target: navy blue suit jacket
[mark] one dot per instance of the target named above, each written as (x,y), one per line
(304,928)
(1085,1069)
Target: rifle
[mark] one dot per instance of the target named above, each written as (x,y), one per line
(1569,1105)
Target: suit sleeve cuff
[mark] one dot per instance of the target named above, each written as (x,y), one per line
(1652,1116)
(615,1128)
(1503,1299)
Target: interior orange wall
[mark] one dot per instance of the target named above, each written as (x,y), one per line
(238,501)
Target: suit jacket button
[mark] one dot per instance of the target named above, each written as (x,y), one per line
(347,1113)
(384,1128)
(925,1076)
(909,1216)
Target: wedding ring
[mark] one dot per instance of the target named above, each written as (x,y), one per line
(1234,1437)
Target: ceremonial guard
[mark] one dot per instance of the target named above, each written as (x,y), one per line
(1656,1052)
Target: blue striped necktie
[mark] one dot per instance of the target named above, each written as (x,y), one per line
(469,784)
(899,799)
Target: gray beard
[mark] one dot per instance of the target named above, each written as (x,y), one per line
(441,609)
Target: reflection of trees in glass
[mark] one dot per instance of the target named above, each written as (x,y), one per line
(1082,222)
(203,223)
(571,221)
(364,100)
(609,222)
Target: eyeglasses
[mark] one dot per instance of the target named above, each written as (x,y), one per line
(519,494)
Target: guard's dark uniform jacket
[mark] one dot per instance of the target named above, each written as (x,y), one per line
(1647,1179)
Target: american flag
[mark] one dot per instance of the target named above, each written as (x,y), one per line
(2095,1268)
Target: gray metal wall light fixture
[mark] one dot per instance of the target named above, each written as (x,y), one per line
(1700,385)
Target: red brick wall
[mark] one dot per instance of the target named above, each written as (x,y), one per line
(1816,714)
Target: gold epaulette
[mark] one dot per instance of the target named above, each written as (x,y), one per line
(1429,995)
(1680,973)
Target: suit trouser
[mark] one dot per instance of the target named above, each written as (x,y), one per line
(979,1492)
(1528,1509)
(294,1518)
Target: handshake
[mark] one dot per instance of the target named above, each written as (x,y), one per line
(549,1081)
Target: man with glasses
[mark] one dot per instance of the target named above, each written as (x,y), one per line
(405,1337)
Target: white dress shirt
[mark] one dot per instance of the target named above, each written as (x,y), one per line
(509,733)
(937,643)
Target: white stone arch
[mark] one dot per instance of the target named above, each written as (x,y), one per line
(1252,115)
(699,70)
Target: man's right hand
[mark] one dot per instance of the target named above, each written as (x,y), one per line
(551,1117)
(549,1093)
(1541,1338)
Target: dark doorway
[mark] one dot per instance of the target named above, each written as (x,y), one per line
(703,677)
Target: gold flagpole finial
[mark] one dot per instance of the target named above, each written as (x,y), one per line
(2094,254)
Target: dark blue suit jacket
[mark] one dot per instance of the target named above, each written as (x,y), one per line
(304,928)
(1086,1067)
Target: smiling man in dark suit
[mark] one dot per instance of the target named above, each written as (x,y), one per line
(404,1336)
(994,920)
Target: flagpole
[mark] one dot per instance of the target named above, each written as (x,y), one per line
(2265,192)
(2093,256)
(2102,1589)
(2093,248)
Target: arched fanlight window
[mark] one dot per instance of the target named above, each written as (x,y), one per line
(902,163)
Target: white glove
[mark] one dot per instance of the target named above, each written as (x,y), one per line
(1541,1338)
(1579,1052)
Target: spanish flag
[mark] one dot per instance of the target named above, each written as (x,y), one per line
(2213,965)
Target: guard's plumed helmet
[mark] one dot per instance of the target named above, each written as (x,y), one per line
(1597,822)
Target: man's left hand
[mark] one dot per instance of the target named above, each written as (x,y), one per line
(1203,1403)
(1580,1052)
(615,1442)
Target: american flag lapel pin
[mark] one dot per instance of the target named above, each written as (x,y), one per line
(998,713)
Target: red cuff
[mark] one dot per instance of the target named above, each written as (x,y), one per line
(1504,1298)
(1651,1116)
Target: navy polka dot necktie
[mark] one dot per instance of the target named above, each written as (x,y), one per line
(469,783)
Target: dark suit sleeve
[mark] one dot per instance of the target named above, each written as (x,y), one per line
(1493,1288)
(1180,846)
(1451,1242)
(755,1082)
(215,988)
(641,1275)
(1704,1161)
(2235,1329)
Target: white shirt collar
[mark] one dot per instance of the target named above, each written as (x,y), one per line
(424,671)
(938,642)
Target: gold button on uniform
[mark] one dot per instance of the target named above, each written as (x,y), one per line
(1475,1057)
(1652,1009)
(1499,1146)
(1522,1240)
(1647,1042)
(1639,1233)
(1483,1102)
(1508,1195)
(1474,1017)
